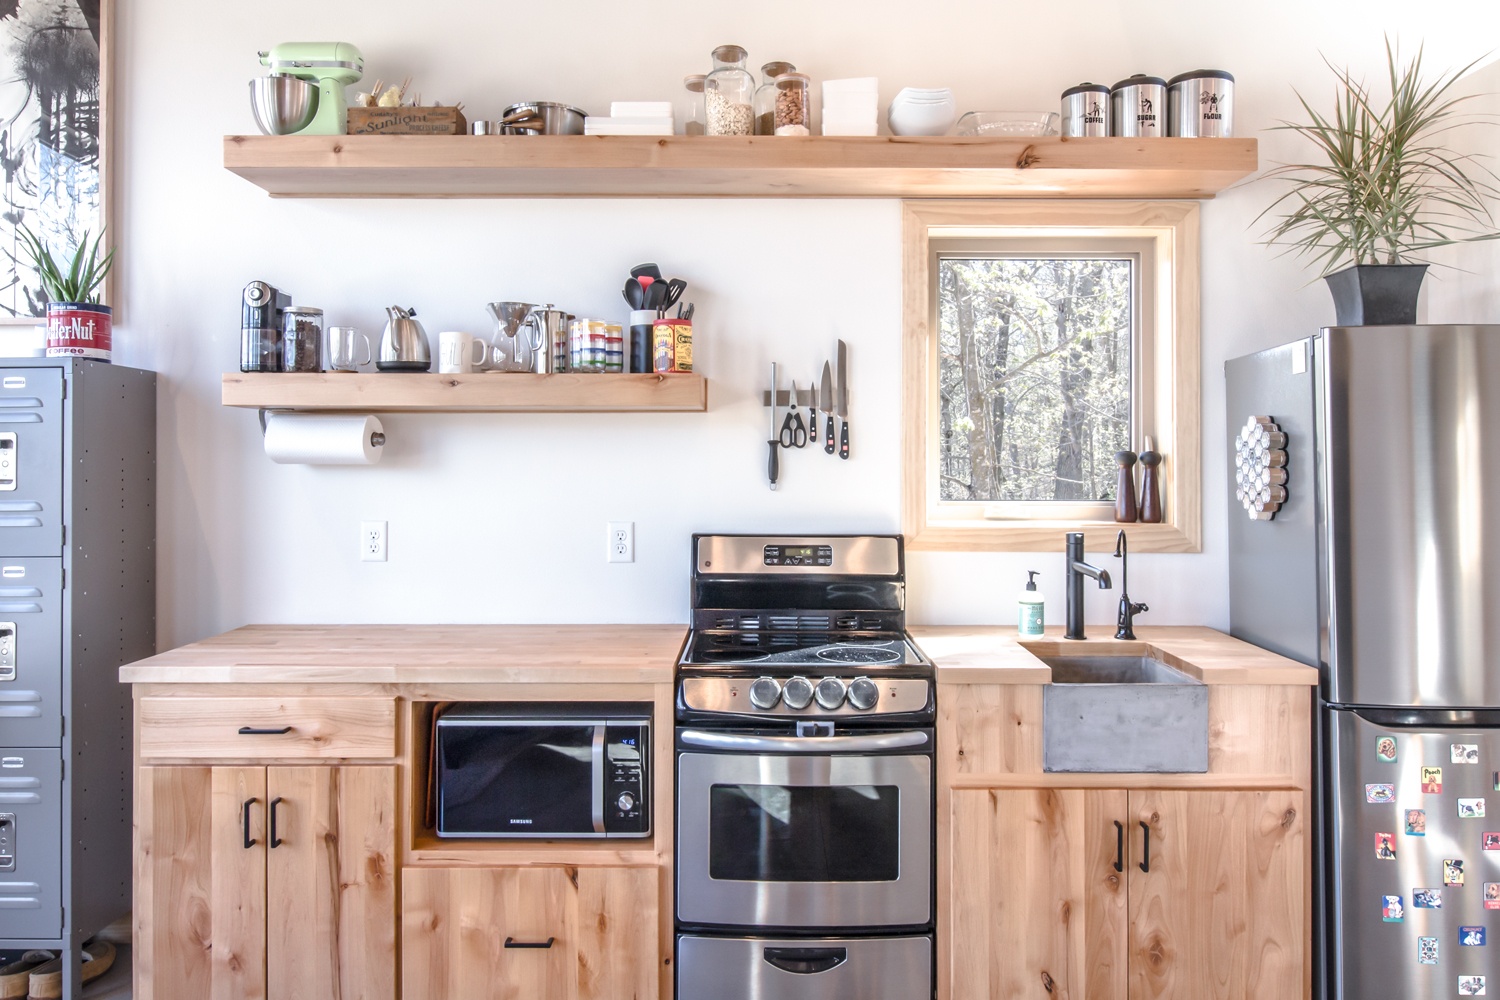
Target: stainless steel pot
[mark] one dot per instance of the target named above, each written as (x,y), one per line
(542,118)
(1201,104)
(1085,110)
(1138,106)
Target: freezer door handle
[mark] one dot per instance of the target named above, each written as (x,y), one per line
(1430,718)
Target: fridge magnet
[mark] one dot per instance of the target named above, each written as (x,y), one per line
(1471,937)
(1463,753)
(1380,794)
(1416,822)
(1427,950)
(1390,909)
(1385,847)
(1492,895)
(1432,781)
(1427,899)
(1453,871)
(1471,808)
(1492,841)
(1385,749)
(1471,986)
(1497,780)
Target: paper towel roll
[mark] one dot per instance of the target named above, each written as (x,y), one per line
(323,439)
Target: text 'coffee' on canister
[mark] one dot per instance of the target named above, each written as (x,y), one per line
(1085,110)
(1200,104)
(1138,107)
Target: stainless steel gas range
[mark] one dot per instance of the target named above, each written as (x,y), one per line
(804,775)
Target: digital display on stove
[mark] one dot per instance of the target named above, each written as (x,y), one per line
(799,555)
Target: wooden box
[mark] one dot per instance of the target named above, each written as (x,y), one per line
(406,121)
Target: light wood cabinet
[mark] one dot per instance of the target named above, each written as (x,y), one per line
(560,933)
(266,883)
(1060,894)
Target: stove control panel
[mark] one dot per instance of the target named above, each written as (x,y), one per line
(801,695)
(797,555)
(626,749)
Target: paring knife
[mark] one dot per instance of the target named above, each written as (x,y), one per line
(843,403)
(825,403)
(812,413)
(772,470)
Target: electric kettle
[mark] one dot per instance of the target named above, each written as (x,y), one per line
(403,346)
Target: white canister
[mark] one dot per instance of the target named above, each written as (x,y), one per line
(1138,107)
(1085,110)
(1201,104)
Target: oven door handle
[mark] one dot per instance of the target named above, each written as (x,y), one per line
(596,755)
(802,744)
(805,961)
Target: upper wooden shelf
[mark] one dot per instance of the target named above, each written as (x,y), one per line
(379,166)
(395,392)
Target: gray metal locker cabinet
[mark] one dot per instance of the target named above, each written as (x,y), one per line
(77,600)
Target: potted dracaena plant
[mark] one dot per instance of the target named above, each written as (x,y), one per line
(1385,190)
(77,325)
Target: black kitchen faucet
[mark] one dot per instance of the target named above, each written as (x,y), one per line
(1077,570)
(1125,625)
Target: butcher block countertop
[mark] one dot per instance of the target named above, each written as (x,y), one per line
(643,654)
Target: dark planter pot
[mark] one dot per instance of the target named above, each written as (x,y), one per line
(1376,294)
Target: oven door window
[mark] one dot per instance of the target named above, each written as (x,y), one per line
(795,833)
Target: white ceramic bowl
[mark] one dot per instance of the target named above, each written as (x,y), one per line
(922,112)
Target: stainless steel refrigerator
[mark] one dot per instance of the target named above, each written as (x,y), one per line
(1364,539)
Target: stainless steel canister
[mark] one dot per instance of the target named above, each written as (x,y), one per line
(1201,104)
(1085,110)
(1138,106)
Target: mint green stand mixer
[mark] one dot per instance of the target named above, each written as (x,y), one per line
(304,95)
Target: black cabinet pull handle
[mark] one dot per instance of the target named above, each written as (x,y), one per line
(1145,846)
(245,823)
(1119,846)
(275,840)
(253,731)
(511,942)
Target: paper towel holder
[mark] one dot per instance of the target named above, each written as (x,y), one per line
(377,438)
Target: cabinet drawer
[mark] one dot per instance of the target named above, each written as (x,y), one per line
(267,727)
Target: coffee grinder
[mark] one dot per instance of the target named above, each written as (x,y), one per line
(261,312)
(332,66)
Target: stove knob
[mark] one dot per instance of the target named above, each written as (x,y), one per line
(797,693)
(830,693)
(765,692)
(863,693)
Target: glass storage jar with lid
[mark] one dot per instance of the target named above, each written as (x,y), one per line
(692,115)
(765,96)
(793,106)
(728,93)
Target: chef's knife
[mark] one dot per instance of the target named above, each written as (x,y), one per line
(772,470)
(843,403)
(825,403)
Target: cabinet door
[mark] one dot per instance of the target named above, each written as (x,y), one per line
(200,918)
(330,883)
(1220,914)
(1037,908)
(595,930)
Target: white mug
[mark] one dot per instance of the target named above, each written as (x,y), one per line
(456,352)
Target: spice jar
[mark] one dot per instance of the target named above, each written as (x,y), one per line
(692,115)
(302,339)
(792,104)
(728,92)
(765,96)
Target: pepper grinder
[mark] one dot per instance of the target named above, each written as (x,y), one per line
(1125,512)
(1150,485)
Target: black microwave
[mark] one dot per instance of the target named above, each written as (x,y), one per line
(543,770)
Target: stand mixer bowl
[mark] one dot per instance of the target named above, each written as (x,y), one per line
(283,104)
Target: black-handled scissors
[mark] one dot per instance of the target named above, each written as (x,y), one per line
(793,430)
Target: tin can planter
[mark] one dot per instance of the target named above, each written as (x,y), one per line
(79,330)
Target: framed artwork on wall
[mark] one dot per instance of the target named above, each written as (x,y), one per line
(54,132)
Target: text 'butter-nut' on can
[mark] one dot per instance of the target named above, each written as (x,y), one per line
(1138,107)
(672,340)
(1085,110)
(1200,104)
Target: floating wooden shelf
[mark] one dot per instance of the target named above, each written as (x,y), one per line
(380,166)
(396,392)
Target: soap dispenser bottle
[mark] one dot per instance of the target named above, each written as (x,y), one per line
(1033,608)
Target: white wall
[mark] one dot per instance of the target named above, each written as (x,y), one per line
(501,518)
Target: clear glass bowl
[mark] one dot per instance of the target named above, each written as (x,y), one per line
(1000,123)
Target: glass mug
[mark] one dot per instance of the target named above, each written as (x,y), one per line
(456,353)
(345,344)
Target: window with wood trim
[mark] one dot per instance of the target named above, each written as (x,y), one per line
(1041,338)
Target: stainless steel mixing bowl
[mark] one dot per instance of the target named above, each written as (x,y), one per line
(283,104)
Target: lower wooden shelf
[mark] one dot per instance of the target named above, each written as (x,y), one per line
(396,392)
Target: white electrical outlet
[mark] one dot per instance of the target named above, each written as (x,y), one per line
(372,541)
(622,541)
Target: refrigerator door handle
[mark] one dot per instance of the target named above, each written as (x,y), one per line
(1430,718)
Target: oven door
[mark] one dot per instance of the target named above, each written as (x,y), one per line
(804,841)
